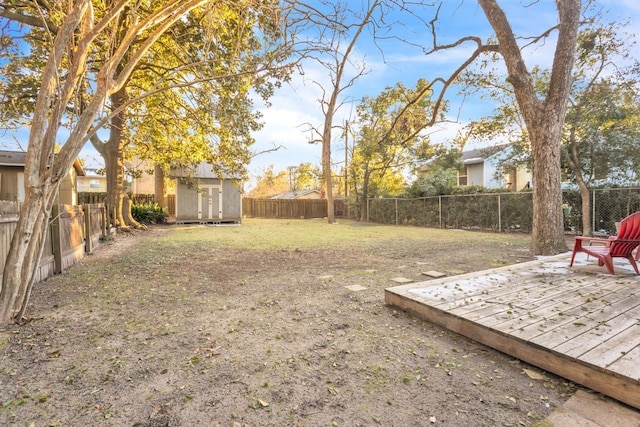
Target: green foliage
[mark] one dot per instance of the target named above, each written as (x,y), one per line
(436,183)
(389,139)
(466,211)
(305,176)
(149,213)
(610,206)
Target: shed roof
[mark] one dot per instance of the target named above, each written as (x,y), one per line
(203,170)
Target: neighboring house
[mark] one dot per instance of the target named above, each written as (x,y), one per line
(300,194)
(91,182)
(12,179)
(203,197)
(490,168)
(140,176)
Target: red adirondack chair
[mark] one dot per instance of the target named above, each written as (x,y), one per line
(619,246)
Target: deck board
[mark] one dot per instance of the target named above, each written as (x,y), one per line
(580,323)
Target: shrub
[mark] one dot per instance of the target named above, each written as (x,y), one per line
(149,213)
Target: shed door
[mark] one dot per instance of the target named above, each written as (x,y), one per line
(209,202)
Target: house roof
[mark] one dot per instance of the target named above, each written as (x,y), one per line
(471,157)
(294,194)
(479,155)
(18,158)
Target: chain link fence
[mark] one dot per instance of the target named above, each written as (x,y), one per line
(503,211)
(608,206)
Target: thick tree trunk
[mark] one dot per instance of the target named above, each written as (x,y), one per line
(544,118)
(547,234)
(27,244)
(159,187)
(26,250)
(114,165)
(114,161)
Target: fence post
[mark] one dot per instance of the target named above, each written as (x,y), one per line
(55,239)
(396,211)
(103,220)
(499,216)
(88,243)
(440,210)
(593,212)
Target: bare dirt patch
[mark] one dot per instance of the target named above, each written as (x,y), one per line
(186,326)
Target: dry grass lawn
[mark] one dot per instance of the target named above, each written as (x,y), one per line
(253,325)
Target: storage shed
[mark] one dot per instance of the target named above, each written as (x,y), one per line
(202,197)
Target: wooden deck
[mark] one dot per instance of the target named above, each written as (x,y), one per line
(579,323)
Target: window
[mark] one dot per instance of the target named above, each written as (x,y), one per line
(462,178)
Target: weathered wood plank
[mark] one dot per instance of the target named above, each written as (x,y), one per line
(628,365)
(521,303)
(548,320)
(580,325)
(625,389)
(618,346)
(600,336)
(581,322)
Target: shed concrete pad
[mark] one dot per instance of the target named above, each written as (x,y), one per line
(433,273)
(401,280)
(590,410)
(356,288)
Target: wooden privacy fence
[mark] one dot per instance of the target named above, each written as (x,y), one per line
(284,208)
(72,232)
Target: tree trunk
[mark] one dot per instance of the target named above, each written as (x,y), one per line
(119,212)
(326,165)
(114,166)
(544,118)
(28,239)
(365,193)
(585,198)
(573,160)
(24,256)
(547,233)
(159,187)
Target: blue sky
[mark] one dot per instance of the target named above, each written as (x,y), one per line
(297,103)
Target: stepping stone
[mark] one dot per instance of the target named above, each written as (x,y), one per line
(327,277)
(434,274)
(355,288)
(401,280)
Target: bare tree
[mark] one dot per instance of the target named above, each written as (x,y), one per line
(333,49)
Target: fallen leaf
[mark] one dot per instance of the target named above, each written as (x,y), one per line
(533,374)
